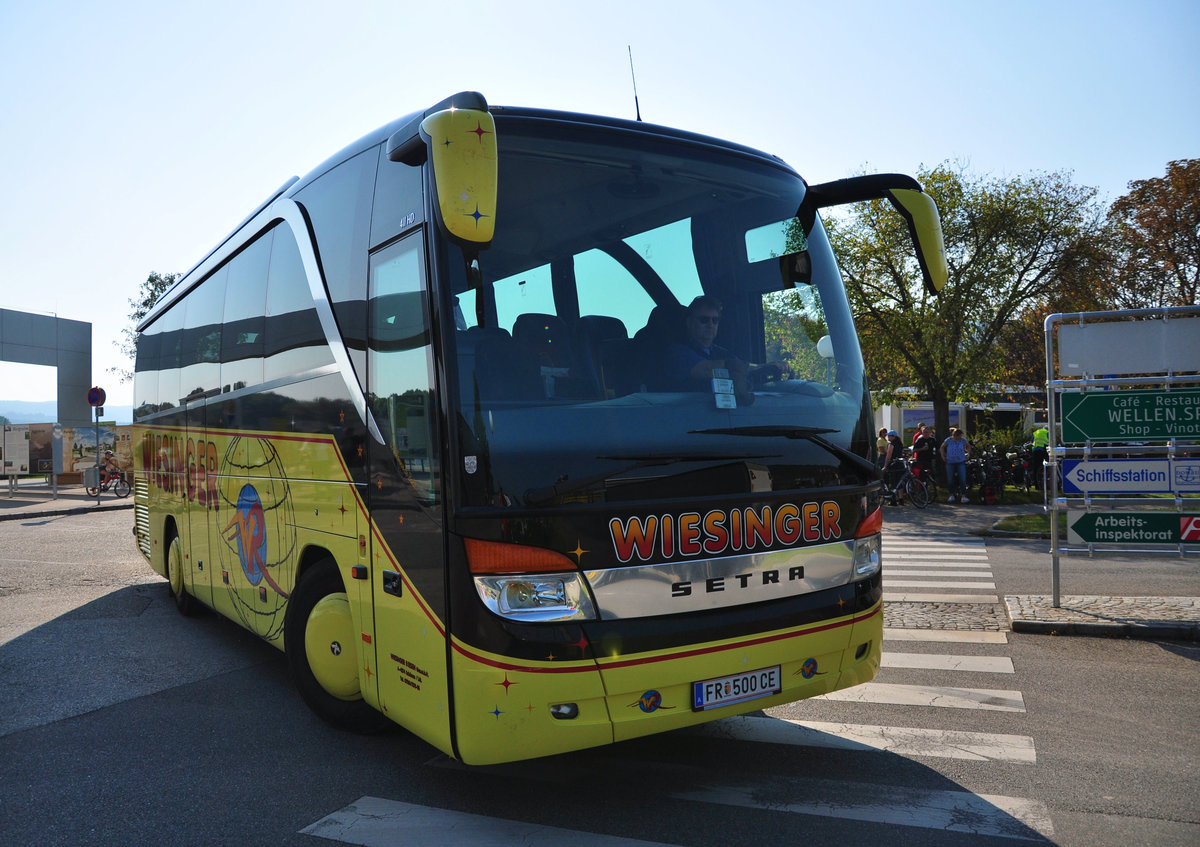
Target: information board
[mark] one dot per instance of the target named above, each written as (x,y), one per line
(1156,415)
(1133,528)
(16,450)
(1131,476)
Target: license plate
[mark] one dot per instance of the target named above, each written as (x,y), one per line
(738,688)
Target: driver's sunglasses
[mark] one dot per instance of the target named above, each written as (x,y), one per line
(708,319)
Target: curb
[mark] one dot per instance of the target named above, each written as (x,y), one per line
(70,510)
(1141,631)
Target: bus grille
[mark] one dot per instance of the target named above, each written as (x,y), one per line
(141,514)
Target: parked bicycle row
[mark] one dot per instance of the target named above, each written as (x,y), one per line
(915,473)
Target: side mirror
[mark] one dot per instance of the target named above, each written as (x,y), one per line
(462,152)
(458,138)
(917,208)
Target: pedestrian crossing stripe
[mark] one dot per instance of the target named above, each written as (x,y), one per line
(378,822)
(898,740)
(951,811)
(921,583)
(946,662)
(884,693)
(985,574)
(911,598)
(965,636)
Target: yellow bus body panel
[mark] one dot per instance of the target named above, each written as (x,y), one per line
(652,692)
(502,707)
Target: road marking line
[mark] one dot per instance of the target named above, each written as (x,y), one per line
(909,597)
(377,822)
(947,662)
(988,699)
(923,583)
(957,635)
(900,740)
(953,811)
(984,574)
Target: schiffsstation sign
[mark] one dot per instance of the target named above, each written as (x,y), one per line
(1130,415)
(1131,476)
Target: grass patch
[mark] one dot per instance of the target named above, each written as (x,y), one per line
(1039,523)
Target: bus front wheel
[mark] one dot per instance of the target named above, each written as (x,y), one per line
(319,638)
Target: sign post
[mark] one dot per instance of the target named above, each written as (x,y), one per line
(1122,407)
(96,399)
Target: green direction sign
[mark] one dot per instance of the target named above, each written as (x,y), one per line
(1133,528)
(1130,415)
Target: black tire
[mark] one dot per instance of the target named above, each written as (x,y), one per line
(916,491)
(92,491)
(184,602)
(121,487)
(320,631)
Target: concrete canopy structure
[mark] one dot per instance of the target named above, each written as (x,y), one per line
(66,345)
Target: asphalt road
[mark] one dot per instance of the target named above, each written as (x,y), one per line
(122,722)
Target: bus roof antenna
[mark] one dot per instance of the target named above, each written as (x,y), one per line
(633,76)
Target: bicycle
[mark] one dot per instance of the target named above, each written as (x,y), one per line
(116,482)
(908,485)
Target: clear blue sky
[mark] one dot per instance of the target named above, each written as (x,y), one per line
(136,134)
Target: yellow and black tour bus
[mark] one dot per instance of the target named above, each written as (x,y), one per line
(529,431)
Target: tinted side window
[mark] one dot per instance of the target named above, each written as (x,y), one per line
(200,355)
(339,205)
(400,363)
(145,382)
(245,301)
(293,339)
(170,327)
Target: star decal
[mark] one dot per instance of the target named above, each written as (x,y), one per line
(578,552)
(497,712)
(507,682)
(476,214)
(479,131)
(583,644)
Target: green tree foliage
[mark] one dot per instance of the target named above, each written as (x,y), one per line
(1156,232)
(153,288)
(1009,244)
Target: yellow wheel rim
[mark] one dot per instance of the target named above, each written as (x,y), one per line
(175,566)
(329,646)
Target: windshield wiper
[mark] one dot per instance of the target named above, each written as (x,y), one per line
(649,460)
(808,433)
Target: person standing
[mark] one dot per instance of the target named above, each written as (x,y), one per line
(924,446)
(881,446)
(893,464)
(1039,455)
(954,456)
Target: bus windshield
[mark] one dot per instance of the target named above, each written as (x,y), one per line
(572,356)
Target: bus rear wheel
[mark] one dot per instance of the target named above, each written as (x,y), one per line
(322,654)
(184,602)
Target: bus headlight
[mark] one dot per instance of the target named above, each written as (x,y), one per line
(536,597)
(866,556)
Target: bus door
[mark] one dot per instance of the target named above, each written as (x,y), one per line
(404,492)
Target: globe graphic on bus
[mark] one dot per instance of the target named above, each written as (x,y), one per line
(258,535)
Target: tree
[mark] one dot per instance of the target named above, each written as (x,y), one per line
(1156,228)
(1009,243)
(153,288)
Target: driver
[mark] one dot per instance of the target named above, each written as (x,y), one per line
(690,364)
